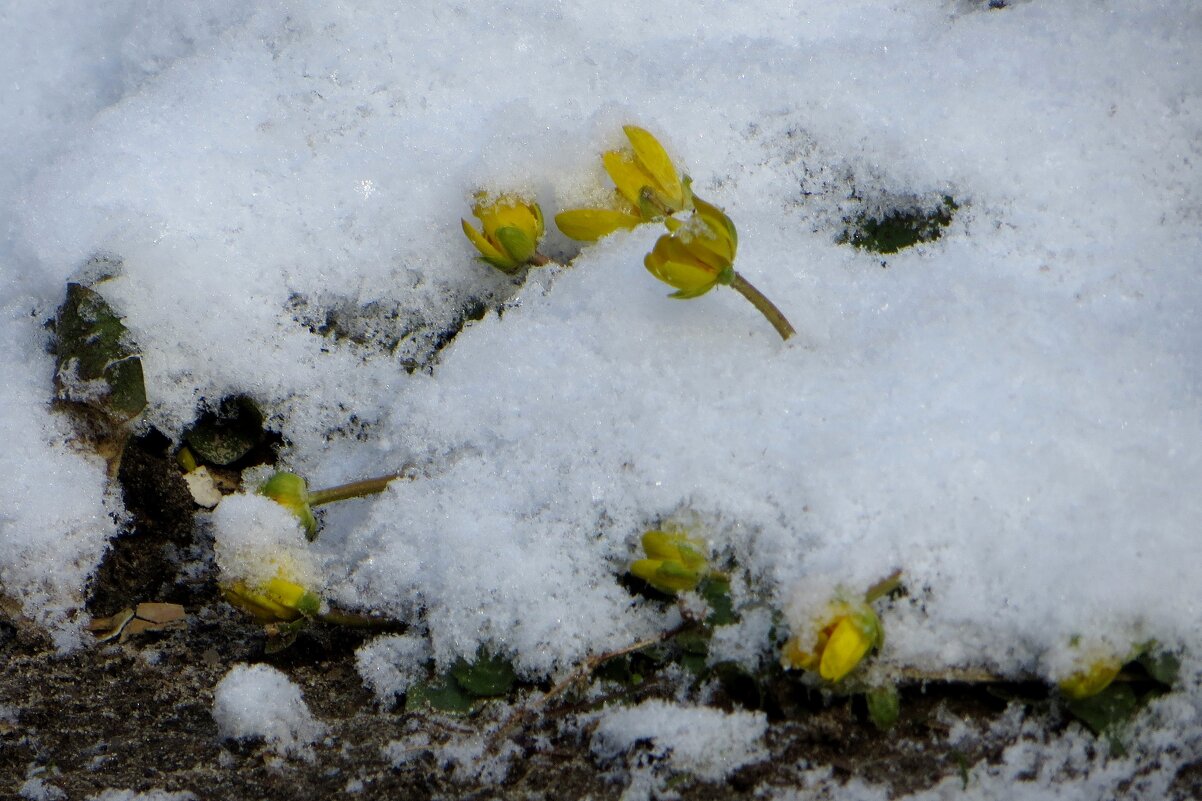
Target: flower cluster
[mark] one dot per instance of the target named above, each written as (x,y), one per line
(695,255)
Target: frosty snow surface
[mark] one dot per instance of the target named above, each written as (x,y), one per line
(1010,414)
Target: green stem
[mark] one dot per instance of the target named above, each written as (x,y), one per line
(883,587)
(766,307)
(355,489)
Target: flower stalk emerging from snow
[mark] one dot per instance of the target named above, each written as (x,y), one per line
(675,561)
(291,491)
(512,227)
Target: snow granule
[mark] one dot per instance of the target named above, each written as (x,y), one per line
(260,702)
(708,743)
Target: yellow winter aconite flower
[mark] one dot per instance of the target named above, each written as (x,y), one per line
(1091,679)
(648,188)
(698,254)
(675,561)
(512,230)
(837,642)
(646,176)
(290,490)
(277,600)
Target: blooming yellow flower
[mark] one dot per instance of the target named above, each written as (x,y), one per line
(675,561)
(837,641)
(277,600)
(698,254)
(512,230)
(645,175)
(648,188)
(291,491)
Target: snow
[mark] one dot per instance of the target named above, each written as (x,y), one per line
(260,702)
(708,743)
(391,664)
(1010,414)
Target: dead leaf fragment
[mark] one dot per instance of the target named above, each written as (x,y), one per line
(150,616)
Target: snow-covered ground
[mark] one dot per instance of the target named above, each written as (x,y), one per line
(1011,414)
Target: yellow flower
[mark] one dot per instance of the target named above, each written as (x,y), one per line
(512,230)
(698,254)
(648,188)
(837,642)
(277,600)
(1092,679)
(675,561)
(290,490)
(645,176)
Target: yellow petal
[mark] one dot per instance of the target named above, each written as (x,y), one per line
(490,252)
(1092,680)
(509,215)
(258,605)
(589,225)
(798,657)
(660,545)
(848,644)
(671,262)
(654,161)
(627,176)
(292,595)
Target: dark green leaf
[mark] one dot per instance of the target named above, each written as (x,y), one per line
(694,641)
(97,363)
(884,706)
(1105,712)
(442,693)
(716,592)
(1163,666)
(486,677)
(226,435)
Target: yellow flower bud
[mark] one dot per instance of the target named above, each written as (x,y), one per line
(290,490)
(675,561)
(276,600)
(512,230)
(836,642)
(698,254)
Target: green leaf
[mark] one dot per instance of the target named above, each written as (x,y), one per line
(716,592)
(97,362)
(226,435)
(1163,666)
(1105,712)
(442,693)
(516,244)
(884,706)
(488,676)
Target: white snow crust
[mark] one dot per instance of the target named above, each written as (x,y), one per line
(708,743)
(261,702)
